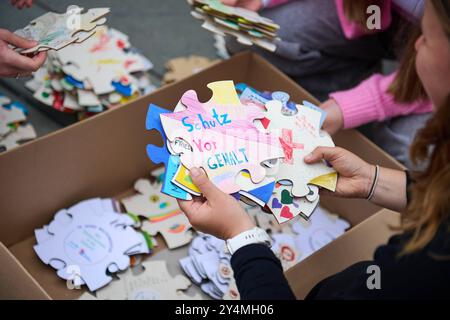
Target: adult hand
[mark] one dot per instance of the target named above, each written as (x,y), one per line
(13,64)
(20,4)
(355,175)
(253,5)
(334,121)
(217,213)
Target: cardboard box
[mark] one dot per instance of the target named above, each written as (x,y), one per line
(103,156)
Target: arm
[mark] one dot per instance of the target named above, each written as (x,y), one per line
(259,275)
(356,178)
(369,101)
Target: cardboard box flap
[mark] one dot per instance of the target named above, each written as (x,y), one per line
(357,245)
(16,282)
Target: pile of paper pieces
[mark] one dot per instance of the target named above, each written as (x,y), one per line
(182,67)
(158,213)
(248,27)
(14,128)
(250,145)
(89,241)
(208,264)
(98,74)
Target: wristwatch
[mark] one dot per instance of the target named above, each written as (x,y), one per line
(254,235)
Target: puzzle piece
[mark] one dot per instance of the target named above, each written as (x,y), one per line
(175,229)
(8,117)
(161,155)
(223,138)
(150,202)
(321,229)
(286,207)
(299,136)
(90,237)
(182,67)
(55,31)
(106,61)
(21,134)
(153,283)
(284,247)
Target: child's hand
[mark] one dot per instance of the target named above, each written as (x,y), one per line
(253,5)
(218,213)
(13,64)
(355,175)
(334,121)
(20,4)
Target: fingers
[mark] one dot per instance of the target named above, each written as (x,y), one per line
(208,189)
(15,40)
(26,64)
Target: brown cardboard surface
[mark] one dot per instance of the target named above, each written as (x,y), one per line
(103,156)
(15,281)
(356,245)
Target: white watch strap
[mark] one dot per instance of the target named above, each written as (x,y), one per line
(255,235)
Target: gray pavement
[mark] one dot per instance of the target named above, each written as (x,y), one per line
(161,29)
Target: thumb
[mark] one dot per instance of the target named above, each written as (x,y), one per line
(321,153)
(208,189)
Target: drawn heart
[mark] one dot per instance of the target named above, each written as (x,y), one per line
(286,197)
(276,204)
(286,213)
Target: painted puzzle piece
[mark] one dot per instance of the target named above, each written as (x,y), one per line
(161,155)
(105,61)
(284,247)
(9,117)
(174,229)
(223,138)
(19,135)
(153,283)
(285,207)
(150,202)
(182,67)
(89,238)
(224,10)
(299,136)
(54,31)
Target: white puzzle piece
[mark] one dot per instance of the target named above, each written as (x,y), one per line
(93,240)
(300,135)
(154,283)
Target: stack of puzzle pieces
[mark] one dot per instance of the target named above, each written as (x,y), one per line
(14,128)
(208,263)
(89,241)
(93,75)
(246,26)
(250,145)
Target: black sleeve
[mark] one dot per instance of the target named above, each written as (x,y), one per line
(421,275)
(259,275)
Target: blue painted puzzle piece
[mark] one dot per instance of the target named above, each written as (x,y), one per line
(313,106)
(161,155)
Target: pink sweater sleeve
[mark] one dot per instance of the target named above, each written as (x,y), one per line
(370,101)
